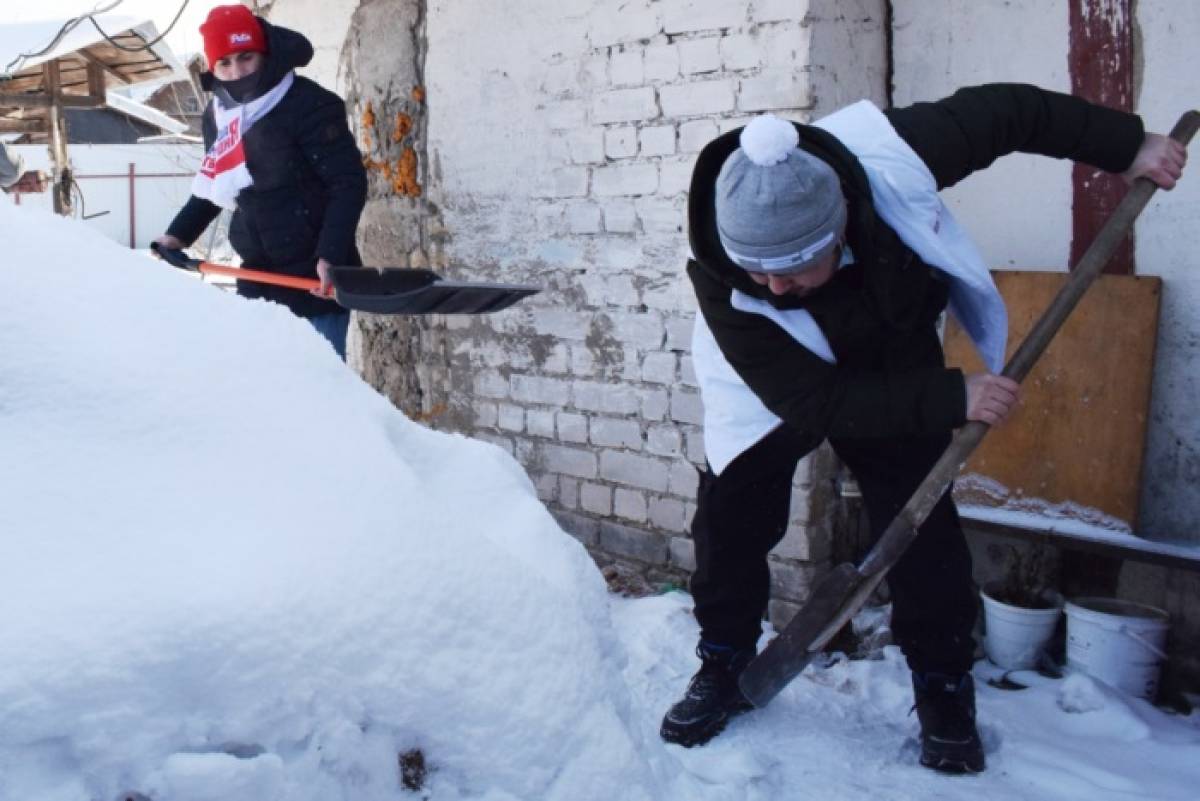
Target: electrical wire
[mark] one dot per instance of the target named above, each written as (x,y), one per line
(74,22)
(147,45)
(66,28)
(77,191)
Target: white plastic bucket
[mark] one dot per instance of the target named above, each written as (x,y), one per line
(1015,636)
(1119,642)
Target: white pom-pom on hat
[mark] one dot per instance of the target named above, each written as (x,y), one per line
(768,139)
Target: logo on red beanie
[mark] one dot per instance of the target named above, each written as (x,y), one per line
(231,29)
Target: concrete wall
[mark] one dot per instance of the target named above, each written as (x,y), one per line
(1167,246)
(943,44)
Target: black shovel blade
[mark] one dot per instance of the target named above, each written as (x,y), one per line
(400,291)
(789,653)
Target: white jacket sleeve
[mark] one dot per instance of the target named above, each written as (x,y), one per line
(11,167)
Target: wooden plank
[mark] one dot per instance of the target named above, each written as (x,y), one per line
(97,84)
(45,101)
(110,69)
(22,126)
(1079,435)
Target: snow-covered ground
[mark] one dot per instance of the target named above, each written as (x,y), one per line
(230,570)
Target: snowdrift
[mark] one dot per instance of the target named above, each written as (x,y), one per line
(232,570)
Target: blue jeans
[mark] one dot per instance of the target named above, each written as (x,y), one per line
(333,327)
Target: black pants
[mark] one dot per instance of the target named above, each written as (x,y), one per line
(743,513)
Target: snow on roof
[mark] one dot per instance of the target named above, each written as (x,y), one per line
(19,38)
(145,113)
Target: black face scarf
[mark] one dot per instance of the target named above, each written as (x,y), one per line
(241,90)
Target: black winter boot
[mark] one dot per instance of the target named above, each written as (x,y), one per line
(945,705)
(712,697)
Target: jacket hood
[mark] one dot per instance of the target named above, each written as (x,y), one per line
(702,219)
(286,51)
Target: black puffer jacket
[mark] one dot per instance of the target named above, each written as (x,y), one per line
(309,182)
(879,314)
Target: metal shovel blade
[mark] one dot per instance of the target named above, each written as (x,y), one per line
(404,291)
(791,651)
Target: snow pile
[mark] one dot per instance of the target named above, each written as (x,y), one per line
(231,570)
(844,730)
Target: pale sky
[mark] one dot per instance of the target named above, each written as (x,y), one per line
(184,38)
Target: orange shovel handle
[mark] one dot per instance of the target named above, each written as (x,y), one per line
(261,277)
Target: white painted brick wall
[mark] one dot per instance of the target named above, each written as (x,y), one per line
(624,105)
(572,427)
(664,440)
(562,138)
(595,498)
(774,91)
(740,52)
(630,505)
(686,407)
(629,22)
(576,462)
(591,396)
(583,218)
(694,99)
(625,179)
(634,471)
(689,16)
(657,140)
(661,63)
(625,68)
(694,135)
(658,367)
(540,423)
(511,418)
(609,433)
(621,143)
(535,389)
(620,217)
(566,182)
(776,10)
(699,56)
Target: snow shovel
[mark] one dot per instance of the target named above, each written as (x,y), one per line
(383,291)
(842,592)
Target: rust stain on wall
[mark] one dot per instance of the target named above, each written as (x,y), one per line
(400,173)
(403,126)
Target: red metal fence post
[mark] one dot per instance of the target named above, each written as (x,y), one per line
(132,206)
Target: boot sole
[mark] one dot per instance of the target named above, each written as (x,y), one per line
(694,734)
(952,765)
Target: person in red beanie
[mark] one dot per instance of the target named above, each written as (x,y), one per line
(280,154)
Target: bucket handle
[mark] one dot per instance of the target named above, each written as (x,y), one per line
(1149,646)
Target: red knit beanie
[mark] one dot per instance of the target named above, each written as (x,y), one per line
(231,29)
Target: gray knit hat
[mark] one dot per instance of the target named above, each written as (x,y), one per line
(778,208)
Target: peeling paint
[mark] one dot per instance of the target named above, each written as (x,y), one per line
(1101,66)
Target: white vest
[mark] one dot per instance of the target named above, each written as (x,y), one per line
(905,197)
